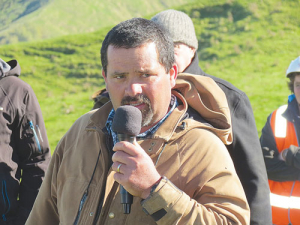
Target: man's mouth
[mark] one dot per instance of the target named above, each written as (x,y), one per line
(140,105)
(141,102)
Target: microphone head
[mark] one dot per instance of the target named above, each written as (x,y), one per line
(127,120)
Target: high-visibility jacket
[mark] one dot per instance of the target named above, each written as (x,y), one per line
(285,196)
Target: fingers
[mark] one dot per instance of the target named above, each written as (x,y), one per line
(120,156)
(127,147)
(123,158)
(118,167)
(126,153)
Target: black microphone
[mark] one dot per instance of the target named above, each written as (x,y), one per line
(127,124)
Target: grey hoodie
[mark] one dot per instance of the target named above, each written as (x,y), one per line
(24,147)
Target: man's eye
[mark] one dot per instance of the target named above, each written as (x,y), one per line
(119,76)
(146,75)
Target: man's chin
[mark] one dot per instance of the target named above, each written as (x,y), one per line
(147,119)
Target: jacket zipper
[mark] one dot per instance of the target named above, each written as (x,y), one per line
(82,201)
(35,135)
(39,131)
(85,194)
(100,204)
(99,207)
(5,199)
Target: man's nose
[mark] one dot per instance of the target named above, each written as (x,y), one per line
(133,89)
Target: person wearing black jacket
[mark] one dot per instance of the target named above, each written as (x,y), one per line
(24,147)
(245,149)
(280,146)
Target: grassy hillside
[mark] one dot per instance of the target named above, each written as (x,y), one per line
(12,10)
(32,20)
(63,73)
(248,44)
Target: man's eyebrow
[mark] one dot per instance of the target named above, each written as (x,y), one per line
(118,73)
(143,71)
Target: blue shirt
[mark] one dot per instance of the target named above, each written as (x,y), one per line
(151,131)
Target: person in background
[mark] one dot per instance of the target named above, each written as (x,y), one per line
(245,150)
(178,170)
(24,147)
(280,146)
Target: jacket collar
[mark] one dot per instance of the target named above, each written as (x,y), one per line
(199,92)
(194,68)
(292,111)
(165,131)
(207,99)
(99,117)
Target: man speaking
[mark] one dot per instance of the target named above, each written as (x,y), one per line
(178,171)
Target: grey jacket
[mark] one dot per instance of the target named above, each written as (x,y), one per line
(24,147)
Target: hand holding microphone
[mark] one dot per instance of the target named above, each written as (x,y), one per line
(127,124)
(135,170)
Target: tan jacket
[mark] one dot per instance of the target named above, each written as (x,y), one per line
(202,185)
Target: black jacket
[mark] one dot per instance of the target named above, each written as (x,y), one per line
(245,149)
(279,170)
(24,147)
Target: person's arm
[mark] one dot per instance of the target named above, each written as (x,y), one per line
(210,191)
(291,156)
(45,209)
(248,160)
(278,170)
(167,204)
(34,154)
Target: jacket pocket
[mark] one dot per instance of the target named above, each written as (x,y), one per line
(5,202)
(73,197)
(35,134)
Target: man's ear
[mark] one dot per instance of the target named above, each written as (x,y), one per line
(105,78)
(193,50)
(173,74)
(104,75)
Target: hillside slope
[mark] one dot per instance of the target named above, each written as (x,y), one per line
(12,10)
(248,44)
(32,20)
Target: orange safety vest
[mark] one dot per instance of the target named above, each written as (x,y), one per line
(284,196)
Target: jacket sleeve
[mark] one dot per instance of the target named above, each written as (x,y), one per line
(208,190)
(248,160)
(45,210)
(293,157)
(34,154)
(277,169)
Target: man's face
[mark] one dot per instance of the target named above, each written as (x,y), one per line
(183,55)
(135,77)
(297,88)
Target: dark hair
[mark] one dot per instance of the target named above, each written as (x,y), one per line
(136,32)
(292,80)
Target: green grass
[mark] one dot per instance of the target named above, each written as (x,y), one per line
(54,18)
(12,10)
(250,44)
(64,73)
